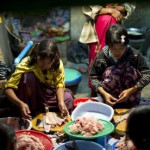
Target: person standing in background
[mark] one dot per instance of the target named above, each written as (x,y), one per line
(98,19)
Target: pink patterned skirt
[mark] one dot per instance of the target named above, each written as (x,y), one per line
(101,26)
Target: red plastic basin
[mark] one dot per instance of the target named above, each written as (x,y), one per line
(79,101)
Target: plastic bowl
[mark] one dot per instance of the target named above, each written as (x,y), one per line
(46,140)
(17,123)
(99,110)
(79,101)
(72,77)
(81,144)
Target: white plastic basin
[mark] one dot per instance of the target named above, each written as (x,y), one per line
(95,109)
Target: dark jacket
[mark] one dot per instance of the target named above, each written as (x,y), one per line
(104,60)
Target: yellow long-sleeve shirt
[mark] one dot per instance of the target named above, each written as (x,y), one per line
(52,78)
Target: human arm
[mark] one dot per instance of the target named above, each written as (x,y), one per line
(60,85)
(119,11)
(12,86)
(92,12)
(124,95)
(113,12)
(24,109)
(143,68)
(61,103)
(126,9)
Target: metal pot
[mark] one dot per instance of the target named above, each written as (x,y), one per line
(136,33)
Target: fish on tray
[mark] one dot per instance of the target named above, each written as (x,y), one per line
(50,120)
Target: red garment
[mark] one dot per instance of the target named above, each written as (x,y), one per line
(101,26)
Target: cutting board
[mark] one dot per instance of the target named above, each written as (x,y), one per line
(120,127)
(57,128)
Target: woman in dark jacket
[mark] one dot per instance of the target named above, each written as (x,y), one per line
(119,72)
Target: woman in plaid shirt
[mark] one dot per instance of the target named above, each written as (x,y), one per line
(119,71)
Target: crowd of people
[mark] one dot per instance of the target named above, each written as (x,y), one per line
(117,72)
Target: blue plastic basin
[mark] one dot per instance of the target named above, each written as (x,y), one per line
(81,144)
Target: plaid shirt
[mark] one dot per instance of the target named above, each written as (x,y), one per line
(88,34)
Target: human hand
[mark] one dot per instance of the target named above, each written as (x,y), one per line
(124,144)
(25,111)
(110,100)
(124,95)
(116,14)
(121,145)
(63,109)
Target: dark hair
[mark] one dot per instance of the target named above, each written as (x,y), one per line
(116,33)
(7,134)
(138,127)
(46,48)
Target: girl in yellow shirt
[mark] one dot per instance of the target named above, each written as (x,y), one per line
(38,82)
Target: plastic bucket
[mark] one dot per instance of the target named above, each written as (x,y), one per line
(72,79)
(101,141)
(78,101)
(81,144)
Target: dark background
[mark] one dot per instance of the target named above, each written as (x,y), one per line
(40,5)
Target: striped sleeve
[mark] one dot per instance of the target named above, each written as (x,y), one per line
(145,80)
(144,70)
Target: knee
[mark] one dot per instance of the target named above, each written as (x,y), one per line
(69,97)
(69,100)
